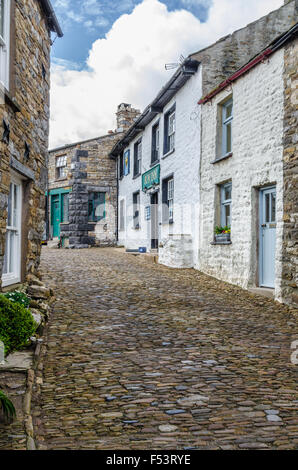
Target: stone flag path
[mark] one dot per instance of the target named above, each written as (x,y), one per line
(139,356)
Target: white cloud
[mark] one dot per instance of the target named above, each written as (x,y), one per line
(128,64)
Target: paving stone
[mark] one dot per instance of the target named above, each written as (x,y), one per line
(140,356)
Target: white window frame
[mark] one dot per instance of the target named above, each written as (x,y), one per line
(170,190)
(14,276)
(5,46)
(226,121)
(61,165)
(224,203)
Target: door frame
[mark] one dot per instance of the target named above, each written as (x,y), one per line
(55,198)
(15,277)
(154,194)
(261,242)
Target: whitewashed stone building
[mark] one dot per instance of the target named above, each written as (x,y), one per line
(153,165)
(242,173)
(159,158)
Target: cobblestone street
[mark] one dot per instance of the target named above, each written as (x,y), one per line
(140,356)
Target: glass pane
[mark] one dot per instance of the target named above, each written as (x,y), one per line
(65,207)
(9,211)
(273,207)
(15,204)
(5,267)
(228,215)
(229,137)
(12,249)
(90,210)
(229,110)
(2,18)
(228,192)
(267,208)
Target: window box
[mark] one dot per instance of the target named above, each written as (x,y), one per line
(222,237)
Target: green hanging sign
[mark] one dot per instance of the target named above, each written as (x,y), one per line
(151,178)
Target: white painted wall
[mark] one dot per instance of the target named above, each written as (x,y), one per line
(184,163)
(256,162)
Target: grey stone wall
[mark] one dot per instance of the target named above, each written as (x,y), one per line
(99,174)
(76,230)
(26,112)
(290,171)
(231,52)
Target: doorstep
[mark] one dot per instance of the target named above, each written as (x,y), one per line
(264,291)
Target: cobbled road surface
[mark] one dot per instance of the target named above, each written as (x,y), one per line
(140,356)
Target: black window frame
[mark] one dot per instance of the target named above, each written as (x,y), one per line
(137,163)
(166,145)
(136,202)
(155,151)
(121,165)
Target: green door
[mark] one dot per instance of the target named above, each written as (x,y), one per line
(55,210)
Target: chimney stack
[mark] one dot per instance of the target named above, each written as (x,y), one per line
(126,116)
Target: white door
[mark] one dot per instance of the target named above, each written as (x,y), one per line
(12,257)
(268,237)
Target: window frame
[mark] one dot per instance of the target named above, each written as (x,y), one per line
(168,202)
(155,143)
(224,203)
(137,158)
(122,215)
(136,204)
(121,165)
(5,46)
(169,136)
(225,122)
(95,218)
(61,167)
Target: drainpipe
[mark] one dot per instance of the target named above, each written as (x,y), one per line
(117,203)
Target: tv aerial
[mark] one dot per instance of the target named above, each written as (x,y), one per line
(175,65)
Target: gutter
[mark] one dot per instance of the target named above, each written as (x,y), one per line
(51,17)
(235,76)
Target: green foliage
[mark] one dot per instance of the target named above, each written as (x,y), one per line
(18,297)
(16,325)
(7,407)
(219,230)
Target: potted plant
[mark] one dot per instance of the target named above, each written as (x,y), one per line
(222,234)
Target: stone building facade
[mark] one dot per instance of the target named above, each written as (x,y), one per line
(250,186)
(25,40)
(157,210)
(141,221)
(289,281)
(82,188)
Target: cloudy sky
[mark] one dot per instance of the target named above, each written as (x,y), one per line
(115,51)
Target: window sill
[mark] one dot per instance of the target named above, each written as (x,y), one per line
(154,163)
(221,243)
(168,222)
(168,153)
(136,176)
(61,179)
(9,100)
(224,157)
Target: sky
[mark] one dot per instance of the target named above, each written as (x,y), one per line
(116,51)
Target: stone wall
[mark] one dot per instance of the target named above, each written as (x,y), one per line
(256,162)
(100,176)
(26,112)
(231,52)
(290,169)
